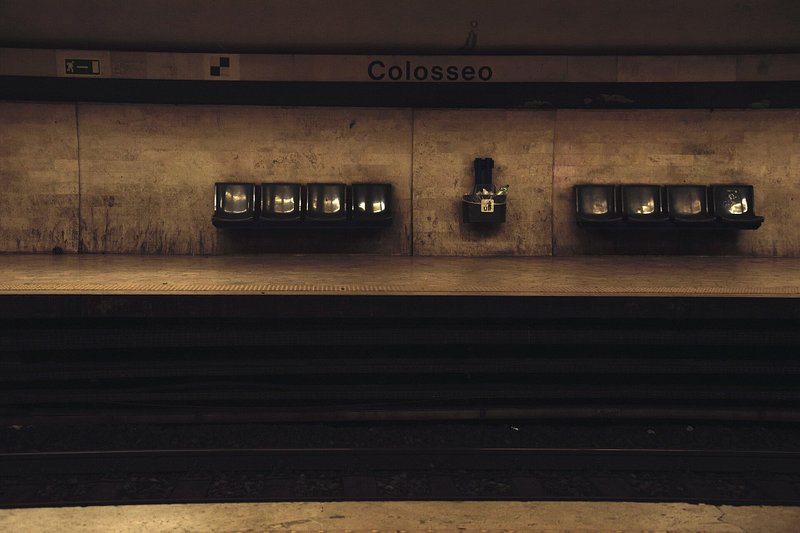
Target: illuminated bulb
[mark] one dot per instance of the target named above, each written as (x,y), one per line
(594,201)
(737,208)
(378,207)
(735,204)
(647,208)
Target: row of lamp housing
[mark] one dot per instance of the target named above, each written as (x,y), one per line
(286,204)
(715,206)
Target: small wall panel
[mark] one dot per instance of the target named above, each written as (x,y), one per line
(445,144)
(758,147)
(148,173)
(39,178)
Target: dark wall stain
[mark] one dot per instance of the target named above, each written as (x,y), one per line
(698,149)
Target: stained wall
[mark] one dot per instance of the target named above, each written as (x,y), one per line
(148,173)
(446,142)
(132,178)
(758,147)
(38,177)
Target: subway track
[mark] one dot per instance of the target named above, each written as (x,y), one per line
(380,368)
(743,477)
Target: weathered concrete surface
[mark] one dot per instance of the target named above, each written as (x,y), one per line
(446,142)
(676,68)
(407,516)
(38,177)
(147,173)
(758,147)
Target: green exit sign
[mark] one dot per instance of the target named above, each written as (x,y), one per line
(85,67)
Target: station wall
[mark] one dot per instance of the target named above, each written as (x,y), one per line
(138,178)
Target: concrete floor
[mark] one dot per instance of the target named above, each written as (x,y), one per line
(462,517)
(376,275)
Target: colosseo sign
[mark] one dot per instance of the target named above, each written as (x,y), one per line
(388,68)
(348,68)
(382,70)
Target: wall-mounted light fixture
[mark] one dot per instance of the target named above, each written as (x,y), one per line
(643,203)
(234,204)
(372,202)
(597,205)
(734,205)
(688,204)
(281,202)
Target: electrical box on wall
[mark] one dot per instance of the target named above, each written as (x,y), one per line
(485,204)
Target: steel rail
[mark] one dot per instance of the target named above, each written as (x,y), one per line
(35,479)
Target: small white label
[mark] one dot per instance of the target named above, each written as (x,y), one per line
(487,205)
